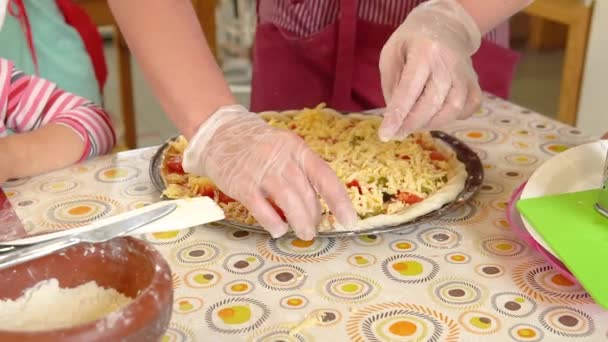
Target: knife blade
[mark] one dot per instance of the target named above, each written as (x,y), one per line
(602,202)
(109,232)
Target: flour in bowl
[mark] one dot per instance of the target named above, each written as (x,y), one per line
(46,306)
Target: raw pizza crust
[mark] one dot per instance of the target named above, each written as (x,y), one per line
(457,176)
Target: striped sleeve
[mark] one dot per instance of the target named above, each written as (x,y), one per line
(31,102)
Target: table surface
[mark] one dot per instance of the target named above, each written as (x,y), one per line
(464,278)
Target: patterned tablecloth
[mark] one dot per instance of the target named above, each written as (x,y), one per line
(464,278)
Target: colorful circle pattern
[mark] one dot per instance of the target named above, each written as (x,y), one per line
(202,278)
(526,333)
(283,277)
(503,247)
(477,136)
(490,270)
(401,246)
(294,250)
(368,240)
(170,237)
(239,287)
(293,302)
(362,260)
(457,258)
(479,322)
(567,322)
(58,186)
(283,332)
(139,189)
(521,159)
(116,174)
(79,210)
(187,305)
(472,211)
(439,237)
(348,288)
(200,253)
(178,333)
(401,322)
(237,315)
(555,147)
(409,268)
(327,317)
(458,294)
(513,304)
(541,281)
(243,263)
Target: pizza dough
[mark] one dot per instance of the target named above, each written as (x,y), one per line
(389,183)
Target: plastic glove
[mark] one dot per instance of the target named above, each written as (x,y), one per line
(252,162)
(426,69)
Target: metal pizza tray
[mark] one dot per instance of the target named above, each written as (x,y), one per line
(464,154)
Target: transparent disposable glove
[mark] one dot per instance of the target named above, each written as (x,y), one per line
(426,69)
(254,162)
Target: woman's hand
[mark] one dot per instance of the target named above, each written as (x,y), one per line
(259,165)
(426,69)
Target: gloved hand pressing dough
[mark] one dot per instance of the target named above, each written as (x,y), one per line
(426,70)
(254,162)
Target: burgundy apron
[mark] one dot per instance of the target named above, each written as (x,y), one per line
(340,67)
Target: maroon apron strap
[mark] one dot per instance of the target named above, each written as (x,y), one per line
(345,53)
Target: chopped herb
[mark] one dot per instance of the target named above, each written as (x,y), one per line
(377,211)
(426,190)
(382,181)
(371,179)
(444,179)
(355,141)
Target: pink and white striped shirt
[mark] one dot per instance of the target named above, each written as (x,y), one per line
(306,17)
(29,102)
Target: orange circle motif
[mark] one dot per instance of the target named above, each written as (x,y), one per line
(402,328)
(239,287)
(225,313)
(79,210)
(559,279)
(294,301)
(301,243)
(457,257)
(527,333)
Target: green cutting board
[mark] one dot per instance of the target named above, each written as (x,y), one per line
(577,233)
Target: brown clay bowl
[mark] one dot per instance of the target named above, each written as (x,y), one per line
(128,265)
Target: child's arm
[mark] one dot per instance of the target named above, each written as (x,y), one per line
(54,128)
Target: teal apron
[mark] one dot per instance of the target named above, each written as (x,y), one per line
(61,54)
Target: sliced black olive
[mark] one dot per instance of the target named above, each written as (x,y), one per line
(386,197)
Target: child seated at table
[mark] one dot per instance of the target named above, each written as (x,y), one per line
(53,128)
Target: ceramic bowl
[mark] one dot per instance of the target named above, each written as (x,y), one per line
(131,266)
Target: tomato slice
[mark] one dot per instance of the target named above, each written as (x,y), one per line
(408,198)
(328,140)
(437,156)
(278,210)
(174,165)
(223,198)
(206,191)
(354,183)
